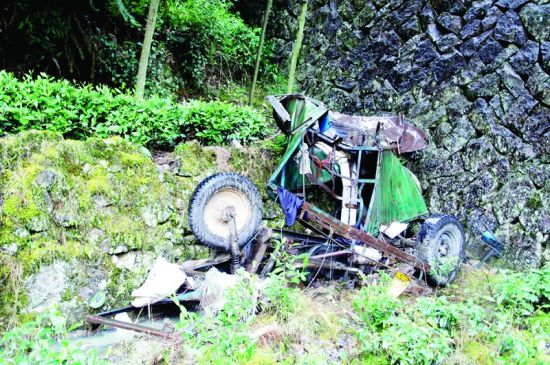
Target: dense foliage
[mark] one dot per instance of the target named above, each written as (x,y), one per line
(505,320)
(79,112)
(210,44)
(199,47)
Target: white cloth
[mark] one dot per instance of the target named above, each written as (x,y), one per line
(305,162)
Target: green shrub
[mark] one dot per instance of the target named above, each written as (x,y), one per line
(523,292)
(430,329)
(211,44)
(374,305)
(85,111)
(223,338)
(41,341)
(119,66)
(413,341)
(279,298)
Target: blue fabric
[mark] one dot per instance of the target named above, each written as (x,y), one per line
(324,123)
(290,204)
(489,238)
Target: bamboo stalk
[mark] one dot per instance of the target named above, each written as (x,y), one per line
(296,48)
(260,49)
(146,48)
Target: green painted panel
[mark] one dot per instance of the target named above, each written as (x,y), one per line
(303,112)
(278,177)
(397,195)
(288,175)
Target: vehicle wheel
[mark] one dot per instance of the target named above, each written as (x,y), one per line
(441,243)
(213,198)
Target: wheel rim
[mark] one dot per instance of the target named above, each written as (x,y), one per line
(448,247)
(216,212)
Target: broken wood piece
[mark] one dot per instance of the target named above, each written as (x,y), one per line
(259,249)
(399,284)
(192,266)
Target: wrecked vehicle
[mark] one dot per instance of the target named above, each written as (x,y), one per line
(342,178)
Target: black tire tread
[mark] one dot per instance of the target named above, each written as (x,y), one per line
(428,230)
(202,194)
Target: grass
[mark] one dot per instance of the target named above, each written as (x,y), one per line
(464,323)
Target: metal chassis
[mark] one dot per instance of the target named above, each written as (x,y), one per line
(335,226)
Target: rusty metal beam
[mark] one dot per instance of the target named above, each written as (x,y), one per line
(132,327)
(339,228)
(326,264)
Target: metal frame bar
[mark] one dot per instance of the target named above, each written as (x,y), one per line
(346,231)
(131,327)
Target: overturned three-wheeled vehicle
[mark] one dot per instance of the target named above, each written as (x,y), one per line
(342,178)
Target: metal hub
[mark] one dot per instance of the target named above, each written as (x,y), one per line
(225,206)
(449,242)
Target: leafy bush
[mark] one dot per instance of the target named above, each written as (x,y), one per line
(523,293)
(279,298)
(211,44)
(41,342)
(431,329)
(223,338)
(405,338)
(84,111)
(408,340)
(119,66)
(374,305)
(285,263)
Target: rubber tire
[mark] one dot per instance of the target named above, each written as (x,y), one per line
(428,243)
(208,188)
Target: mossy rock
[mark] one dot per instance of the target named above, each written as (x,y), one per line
(104,207)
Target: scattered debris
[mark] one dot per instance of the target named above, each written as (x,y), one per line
(163,280)
(489,239)
(394,229)
(399,284)
(216,284)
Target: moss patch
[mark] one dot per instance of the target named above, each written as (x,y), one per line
(92,202)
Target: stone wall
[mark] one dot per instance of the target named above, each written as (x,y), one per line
(472,74)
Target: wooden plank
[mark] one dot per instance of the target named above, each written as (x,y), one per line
(191,266)
(259,249)
(279,108)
